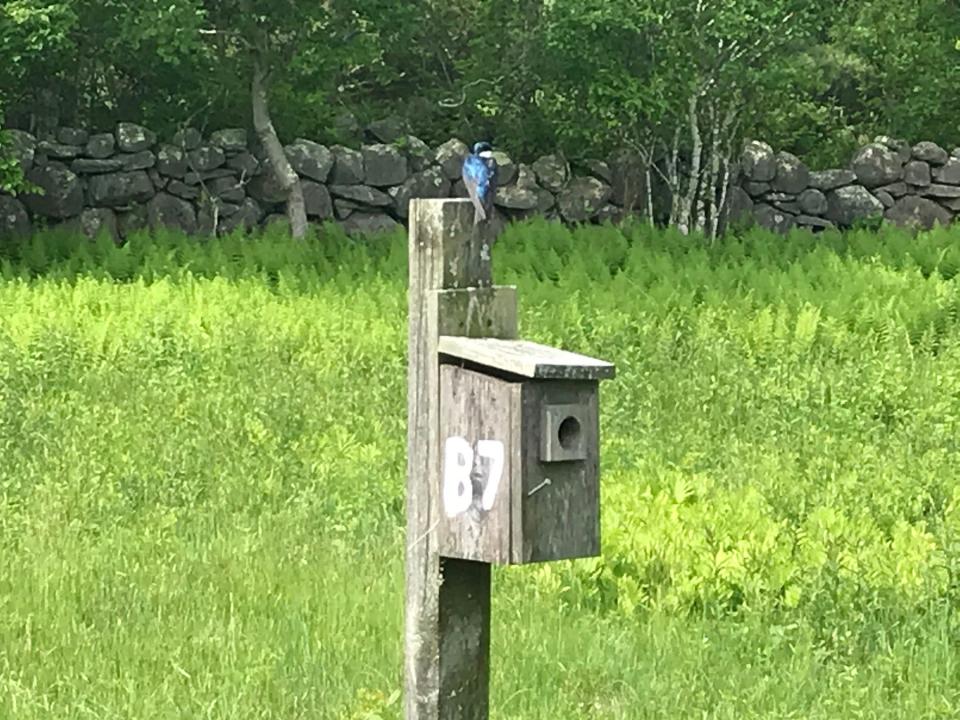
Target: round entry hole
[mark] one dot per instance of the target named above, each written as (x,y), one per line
(569,432)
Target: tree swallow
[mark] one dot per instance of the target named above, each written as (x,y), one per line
(480,176)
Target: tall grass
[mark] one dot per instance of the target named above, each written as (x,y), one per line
(201,493)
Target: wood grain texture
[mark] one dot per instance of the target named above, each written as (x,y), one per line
(478,407)
(559,520)
(465,640)
(447,618)
(478,312)
(525,358)
(547,507)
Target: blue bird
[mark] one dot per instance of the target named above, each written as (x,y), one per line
(480,176)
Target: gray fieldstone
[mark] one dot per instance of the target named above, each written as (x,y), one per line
(345,208)
(546,200)
(265,187)
(847,205)
(526,177)
(384,165)
(792,175)
(93,166)
(142,160)
(824,180)
(14,221)
(899,146)
(94,221)
(780,197)
(758,162)
(132,220)
(169,211)
(159,182)
(897,189)
(449,157)
(877,165)
(195,178)
(367,223)
(347,166)
(133,138)
(506,168)
(230,140)
(917,172)
(317,200)
(244,163)
(182,190)
(387,130)
(205,158)
(886,198)
(756,189)
(949,173)
(790,206)
(552,172)
(419,155)
(72,136)
(517,197)
(739,205)
(120,189)
(363,194)
(101,146)
(172,161)
(58,151)
(773,219)
(227,189)
(600,170)
(917,212)
(937,190)
(930,152)
(62,196)
(247,216)
(428,183)
(582,199)
(812,202)
(813,222)
(309,159)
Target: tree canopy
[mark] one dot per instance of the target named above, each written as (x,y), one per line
(674,79)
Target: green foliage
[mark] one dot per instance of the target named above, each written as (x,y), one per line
(11,174)
(815,77)
(201,504)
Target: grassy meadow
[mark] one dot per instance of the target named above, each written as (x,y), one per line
(202,458)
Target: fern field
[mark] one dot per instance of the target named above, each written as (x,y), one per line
(203,457)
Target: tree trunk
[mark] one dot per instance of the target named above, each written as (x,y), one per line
(283,172)
(729,131)
(673,178)
(686,219)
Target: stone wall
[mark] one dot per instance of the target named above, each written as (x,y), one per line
(915,185)
(129,179)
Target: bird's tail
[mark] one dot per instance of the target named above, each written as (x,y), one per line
(479,213)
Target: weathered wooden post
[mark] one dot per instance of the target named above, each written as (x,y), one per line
(503,457)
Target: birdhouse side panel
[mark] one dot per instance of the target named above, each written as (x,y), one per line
(479,424)
(560,489)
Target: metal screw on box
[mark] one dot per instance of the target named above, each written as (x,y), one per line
(503,457)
